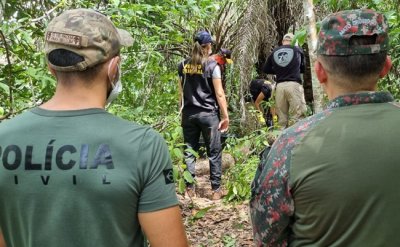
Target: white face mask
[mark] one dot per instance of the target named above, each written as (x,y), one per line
(116,85)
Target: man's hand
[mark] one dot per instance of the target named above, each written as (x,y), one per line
(164,227)
(223,125)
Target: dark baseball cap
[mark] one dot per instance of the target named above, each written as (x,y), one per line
(87,33)
(227,55)
(337,29)
(226,52)
(203,37)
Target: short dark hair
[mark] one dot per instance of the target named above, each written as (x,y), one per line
(354,67)
(64,58)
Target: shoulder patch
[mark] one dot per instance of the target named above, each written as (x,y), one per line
(283,56)
(169,176)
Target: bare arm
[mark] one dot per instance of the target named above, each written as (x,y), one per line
(164,228)
(220,94)
(259,99)
(2,242)
(180,93)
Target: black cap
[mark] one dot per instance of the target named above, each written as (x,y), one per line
(226,52)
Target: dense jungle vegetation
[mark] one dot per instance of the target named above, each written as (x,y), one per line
(163,33)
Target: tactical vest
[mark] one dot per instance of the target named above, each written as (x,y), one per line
(197,86)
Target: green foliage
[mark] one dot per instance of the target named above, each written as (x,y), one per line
(239,178)
(201,213)
(391,82)
(229,241)
(171,130)
(163,32)
(246,152)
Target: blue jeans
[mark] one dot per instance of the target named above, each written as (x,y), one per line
(205,123)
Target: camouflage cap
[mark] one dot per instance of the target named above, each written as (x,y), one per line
(288,37)
(87,33)
(337,29)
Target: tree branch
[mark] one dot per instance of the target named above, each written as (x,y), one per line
(46,14)
(9,71)
(9,114)
(5,116)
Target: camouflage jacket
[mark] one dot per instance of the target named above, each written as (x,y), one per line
(277,186)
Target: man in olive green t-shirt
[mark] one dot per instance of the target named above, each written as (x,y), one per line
(72,174)
(332,178)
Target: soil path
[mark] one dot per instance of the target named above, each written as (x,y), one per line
(222,225)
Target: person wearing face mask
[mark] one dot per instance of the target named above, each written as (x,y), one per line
(204,109)
(116,87)
(72,174)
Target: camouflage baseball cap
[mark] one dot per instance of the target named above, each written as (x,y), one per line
(337,29)
(87,33)
(288,37)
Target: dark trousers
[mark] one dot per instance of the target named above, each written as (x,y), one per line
(205,123)
(268,117)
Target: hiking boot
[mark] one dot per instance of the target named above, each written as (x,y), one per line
(216,194)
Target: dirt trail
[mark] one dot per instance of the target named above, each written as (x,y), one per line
(222,225)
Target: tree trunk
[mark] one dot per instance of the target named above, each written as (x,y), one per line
(2,6)
(309,18)
(307,79)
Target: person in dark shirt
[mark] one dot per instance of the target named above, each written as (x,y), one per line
(202,102)
(287,63)
(261,90)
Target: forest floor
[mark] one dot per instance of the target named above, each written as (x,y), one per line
(215,223)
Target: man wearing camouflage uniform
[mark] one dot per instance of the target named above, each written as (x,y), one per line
(72,174)
(332,179)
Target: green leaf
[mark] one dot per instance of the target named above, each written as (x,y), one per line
(138,110)
(115,3)
(176,173)
(300,37)
(235,192)
(178,153)
(188,177)
(181,185)
(193,152)
(200,214)
(5,88)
